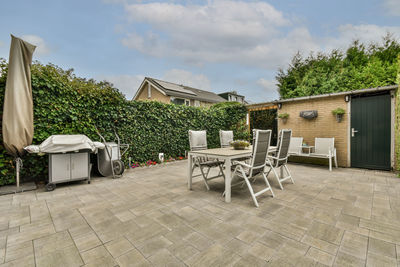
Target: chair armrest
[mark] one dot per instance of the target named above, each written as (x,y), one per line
(241,163)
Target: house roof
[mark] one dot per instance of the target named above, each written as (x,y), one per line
(230,93)
(179,90)
(353,92)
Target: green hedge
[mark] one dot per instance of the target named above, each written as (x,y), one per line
(66,104)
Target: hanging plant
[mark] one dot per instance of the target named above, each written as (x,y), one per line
(339,112)
(283,117)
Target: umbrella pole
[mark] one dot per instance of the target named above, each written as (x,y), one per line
(18,162)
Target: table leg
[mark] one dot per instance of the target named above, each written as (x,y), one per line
(228,180)
(190,166)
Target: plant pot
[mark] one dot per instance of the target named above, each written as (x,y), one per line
(284,120)
(339,117)
(239,147)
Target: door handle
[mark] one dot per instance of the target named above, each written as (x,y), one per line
(353,132)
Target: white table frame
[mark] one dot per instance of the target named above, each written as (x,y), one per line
(309,148)
(227,154)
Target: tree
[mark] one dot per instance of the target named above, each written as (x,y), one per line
(360,66)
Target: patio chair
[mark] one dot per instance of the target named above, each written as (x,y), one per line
(198,141)
(325,148)
(295,146)
(257,164)
(225,137)
(279,160)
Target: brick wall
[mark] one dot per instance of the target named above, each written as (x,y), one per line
(325,125)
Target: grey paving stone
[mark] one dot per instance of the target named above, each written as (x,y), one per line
(381,247)
(68,256)
(375,260)
(87,241)
(132,258)
(354,244)
(148,217)
(118,247)
(19,251)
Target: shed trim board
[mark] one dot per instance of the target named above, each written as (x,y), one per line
(392,133)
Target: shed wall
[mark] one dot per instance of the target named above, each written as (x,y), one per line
(325,125)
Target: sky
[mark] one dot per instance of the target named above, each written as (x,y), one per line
(215,45)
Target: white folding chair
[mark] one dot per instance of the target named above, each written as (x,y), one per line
(325,148)
(295,145)
(257,164)
(279,160)
(198,141)
(225,138)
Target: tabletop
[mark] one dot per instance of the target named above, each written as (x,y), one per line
(227,151)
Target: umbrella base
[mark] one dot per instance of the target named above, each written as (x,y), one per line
(12,189)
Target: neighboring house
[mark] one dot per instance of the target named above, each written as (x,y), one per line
(233,96)
(167,92)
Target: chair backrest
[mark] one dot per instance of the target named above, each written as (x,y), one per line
(324,145)
(260,148)
(225,137)
(283,148)
(197,140)
(295,145)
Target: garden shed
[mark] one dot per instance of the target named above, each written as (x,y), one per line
(365,133)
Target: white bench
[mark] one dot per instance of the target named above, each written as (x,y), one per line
(323,148)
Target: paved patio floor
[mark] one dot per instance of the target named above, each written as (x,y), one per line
(346,217)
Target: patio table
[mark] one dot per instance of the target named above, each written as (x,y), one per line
(227,154)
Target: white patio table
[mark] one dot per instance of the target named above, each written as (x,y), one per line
(227,154)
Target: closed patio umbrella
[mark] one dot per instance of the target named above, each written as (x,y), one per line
(18,102)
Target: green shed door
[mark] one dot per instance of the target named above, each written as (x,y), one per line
(370,132)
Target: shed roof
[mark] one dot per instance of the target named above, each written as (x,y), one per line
(352,92)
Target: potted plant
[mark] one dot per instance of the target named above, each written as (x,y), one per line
(283,117)
(240,144)
(339,112)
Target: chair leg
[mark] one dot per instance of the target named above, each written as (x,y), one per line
(221,171)
(330,164)
(277,177)
(250,189)
(288,172)
(205,177)
(336,161)
(208,171)
(268,185)
(270,168)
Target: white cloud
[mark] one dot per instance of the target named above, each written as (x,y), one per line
(219,31)
(187,78)
(41,47)
(366,33)
(127,84)
(267,85)
(224,31)
(392,7)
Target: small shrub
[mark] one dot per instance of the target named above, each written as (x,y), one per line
(338,111)
(283,116)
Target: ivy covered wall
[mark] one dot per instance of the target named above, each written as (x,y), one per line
(66,104)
